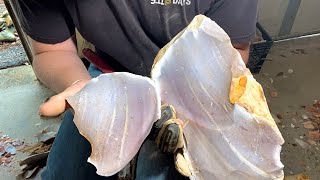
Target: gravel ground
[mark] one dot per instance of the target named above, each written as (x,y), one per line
(11,53)
(2,7)
(12,56)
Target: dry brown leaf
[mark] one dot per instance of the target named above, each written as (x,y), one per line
(314,135)
(307,122)
(316,104)
(19,148)
(29,173)
(312,142)
(301,176)
(274,94)
(309,126)
(311,109)
(316,114)
(6,160)
(313,118)
(37,148)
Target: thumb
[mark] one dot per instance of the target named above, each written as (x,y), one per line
(54,106)
(57,104)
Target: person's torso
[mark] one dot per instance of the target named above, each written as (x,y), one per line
(132,32)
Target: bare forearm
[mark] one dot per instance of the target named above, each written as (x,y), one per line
(244,50)
(59,69)
(244,54)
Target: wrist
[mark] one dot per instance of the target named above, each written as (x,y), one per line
(74,87)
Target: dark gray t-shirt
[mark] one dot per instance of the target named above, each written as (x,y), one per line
(132,31)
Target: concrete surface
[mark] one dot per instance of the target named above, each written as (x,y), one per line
(21,94)
(12,56)
(297,89)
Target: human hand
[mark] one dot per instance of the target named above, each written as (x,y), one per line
(57,104)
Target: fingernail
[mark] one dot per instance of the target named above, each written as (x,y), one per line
(46,100)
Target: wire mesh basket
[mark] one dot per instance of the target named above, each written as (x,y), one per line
(259,50)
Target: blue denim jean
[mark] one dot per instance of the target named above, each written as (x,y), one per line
(70,151)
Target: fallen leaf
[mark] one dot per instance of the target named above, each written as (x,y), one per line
(5,15)
(316,114)
(29,173)
(2,150)
(301,176)
(37,148)
(306,122)
(312,142)
(312,109)
(4,137)
(2,159)
(313,118)
(46,137)
(19,148)
(7,36)
(5,160)
(309,126)
(47,134)
(274,94)
(314,135)
(34,158)
(316,104)
(17,142)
